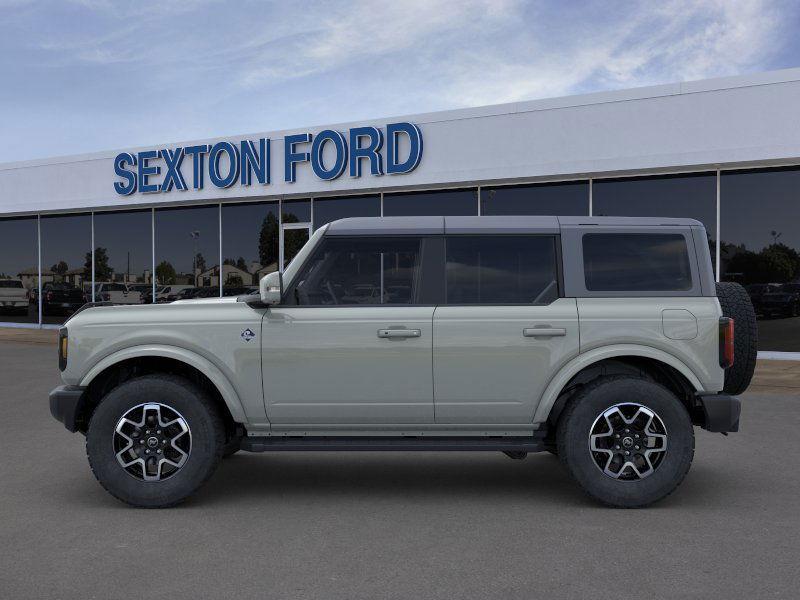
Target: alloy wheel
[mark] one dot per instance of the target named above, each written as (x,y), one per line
(152,442)
(628,441)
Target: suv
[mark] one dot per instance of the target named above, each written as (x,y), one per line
(601,340)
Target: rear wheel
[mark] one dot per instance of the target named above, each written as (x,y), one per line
(628,442)
(154,440)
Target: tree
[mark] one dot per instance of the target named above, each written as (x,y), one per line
(776,262)
(268,241)
(165,273)
(241,263)
(60,268)
(102,270)
(199,262)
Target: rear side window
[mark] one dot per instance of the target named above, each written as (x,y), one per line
(640,262)
(501,269)
(10,283)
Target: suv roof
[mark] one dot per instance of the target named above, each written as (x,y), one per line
(489,224)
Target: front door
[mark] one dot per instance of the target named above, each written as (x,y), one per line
(503,330)
(351,344)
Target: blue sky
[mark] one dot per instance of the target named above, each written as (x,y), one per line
(85,75)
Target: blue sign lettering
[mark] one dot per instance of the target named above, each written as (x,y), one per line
(331,152)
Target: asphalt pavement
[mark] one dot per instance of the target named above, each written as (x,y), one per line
(393,525)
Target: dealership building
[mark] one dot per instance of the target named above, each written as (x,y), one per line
(218,214)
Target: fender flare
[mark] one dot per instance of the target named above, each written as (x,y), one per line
(206,367)
(587,359)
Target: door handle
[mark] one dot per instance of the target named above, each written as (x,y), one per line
(399,333)
(544,331)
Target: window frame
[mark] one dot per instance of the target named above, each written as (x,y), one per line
(556,239)
(575,278)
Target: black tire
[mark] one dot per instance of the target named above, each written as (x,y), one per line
(580,415)
(207,440)
(736,304)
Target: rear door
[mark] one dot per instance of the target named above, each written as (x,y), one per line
(352,342)
(503,330)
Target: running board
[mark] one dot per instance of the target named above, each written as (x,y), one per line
(377,444)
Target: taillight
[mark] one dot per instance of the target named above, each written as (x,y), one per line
(49,296)
(725,342)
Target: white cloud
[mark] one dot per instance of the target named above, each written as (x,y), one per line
(197,68)
(678,40)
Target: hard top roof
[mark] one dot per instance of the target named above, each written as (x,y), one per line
(489,224)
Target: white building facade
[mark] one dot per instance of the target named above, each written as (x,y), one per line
(723,151)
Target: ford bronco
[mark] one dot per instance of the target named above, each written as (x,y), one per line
(602,340)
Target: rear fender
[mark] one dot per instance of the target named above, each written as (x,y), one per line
(580,362)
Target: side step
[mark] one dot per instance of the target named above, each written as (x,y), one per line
(377,444)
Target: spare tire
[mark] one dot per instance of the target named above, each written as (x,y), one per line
(736,304)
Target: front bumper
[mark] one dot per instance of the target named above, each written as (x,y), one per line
(66,402)
(721,412)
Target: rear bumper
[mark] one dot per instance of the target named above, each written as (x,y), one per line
(65,405)
(721,412)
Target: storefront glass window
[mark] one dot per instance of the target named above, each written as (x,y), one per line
(123,261)
(331,209)
(19,270)
(760,248)
(187,252)
(568,198)
(692,196)
(66,265)
(249,245)
(446,202)
(296,211)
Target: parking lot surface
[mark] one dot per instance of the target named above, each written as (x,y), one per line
(392,525)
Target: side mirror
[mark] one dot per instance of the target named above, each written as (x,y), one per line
(271,288)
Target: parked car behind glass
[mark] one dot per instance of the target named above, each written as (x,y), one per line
(61,298)
(783,302)
(13,296)
(116,293)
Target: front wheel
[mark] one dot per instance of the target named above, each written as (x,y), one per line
(628,442)
(154,440)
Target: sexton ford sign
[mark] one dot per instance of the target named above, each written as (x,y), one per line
(225,163)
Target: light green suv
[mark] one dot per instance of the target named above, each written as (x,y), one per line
(601,340)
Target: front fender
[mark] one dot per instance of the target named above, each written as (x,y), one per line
(220,381)
(587,359)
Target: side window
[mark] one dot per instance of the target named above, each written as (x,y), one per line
(501,269)
(642,262)
(365,270)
